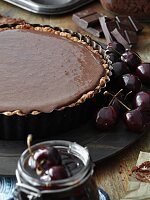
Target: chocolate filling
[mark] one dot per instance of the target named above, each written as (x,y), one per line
(43,71)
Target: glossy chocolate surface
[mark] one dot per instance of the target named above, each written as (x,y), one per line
(42,71)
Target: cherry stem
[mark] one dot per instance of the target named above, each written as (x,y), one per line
(39,169)
(29,140)
(115,96)
(108,93)
(137,55)
(128,94)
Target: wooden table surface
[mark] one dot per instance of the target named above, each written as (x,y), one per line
(111,175)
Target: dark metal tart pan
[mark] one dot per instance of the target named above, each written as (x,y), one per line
(16,126)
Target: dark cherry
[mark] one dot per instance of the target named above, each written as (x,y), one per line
(129,82)
(120,68)
(115,47)
(143,72)
(132,59)
(106,118)
(113,57)
(142,100)
(57,172)
(47,157)
(134,120)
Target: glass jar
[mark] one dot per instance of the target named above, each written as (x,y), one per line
(79,186)
(139,9)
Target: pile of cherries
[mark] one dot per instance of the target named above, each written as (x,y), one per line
(128,75)
(47,163)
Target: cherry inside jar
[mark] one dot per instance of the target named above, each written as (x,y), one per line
(75,184)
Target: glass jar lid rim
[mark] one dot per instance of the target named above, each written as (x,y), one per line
(73,147)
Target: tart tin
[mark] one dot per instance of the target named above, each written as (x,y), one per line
(49,7)
(17,125)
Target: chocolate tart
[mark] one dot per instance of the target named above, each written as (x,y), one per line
(50,79)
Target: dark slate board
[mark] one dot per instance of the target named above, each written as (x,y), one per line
(101,145)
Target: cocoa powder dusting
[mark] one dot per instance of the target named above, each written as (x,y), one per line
(142,172)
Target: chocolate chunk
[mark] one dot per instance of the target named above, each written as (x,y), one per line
(119,36)
(89,21)
(82,14)
(129,23)
(131,37)
(111,25)
(84,19)
(123,29)
(118,30)
(97,31)
(138,27)
(108,36)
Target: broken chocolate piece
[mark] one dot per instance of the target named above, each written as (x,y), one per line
(129,23)
(111,25)
(108,36)
(120,38)
(89,21)
(125,37)
(138,27)
(82,14)
(85,19)
(131,37)
(97,31)
(123,29)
